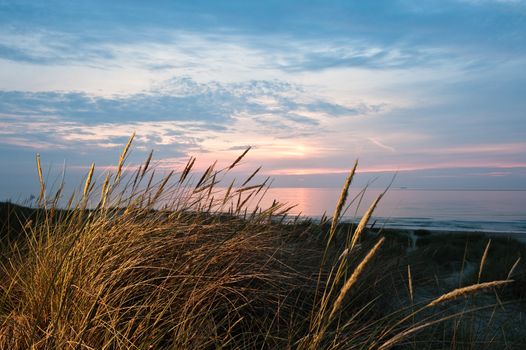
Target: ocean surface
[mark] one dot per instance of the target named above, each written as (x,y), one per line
(452,210)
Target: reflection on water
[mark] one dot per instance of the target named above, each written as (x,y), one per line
(466,210)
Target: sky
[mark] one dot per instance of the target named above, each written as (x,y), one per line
(432,90)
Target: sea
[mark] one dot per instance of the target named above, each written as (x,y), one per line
(446,210)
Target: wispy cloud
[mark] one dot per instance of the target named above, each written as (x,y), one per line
(180,99)
(381,145)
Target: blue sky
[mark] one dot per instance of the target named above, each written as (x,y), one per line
(431,89)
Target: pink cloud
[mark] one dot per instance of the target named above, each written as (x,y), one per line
(402,168)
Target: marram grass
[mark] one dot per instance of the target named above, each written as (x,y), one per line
(143,261)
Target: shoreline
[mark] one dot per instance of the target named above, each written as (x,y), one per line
(492,228)
(416,234)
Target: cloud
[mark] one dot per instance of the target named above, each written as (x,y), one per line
(180,99)
(178,114)
(50,48)
(311,56)
(52,134)
(479,149)
(381,145)
(207,39)
(407,168)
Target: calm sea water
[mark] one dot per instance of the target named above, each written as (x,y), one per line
(467,210)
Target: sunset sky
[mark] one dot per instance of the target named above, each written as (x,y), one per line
(435,90)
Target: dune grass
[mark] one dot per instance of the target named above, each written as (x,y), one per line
(142,261)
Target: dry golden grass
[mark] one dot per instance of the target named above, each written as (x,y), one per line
(483,260)
(148,261)
(464,291)
(354,278)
